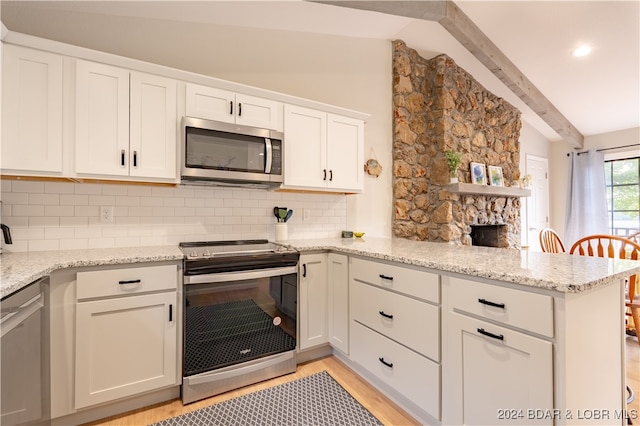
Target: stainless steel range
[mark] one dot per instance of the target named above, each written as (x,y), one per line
(239,315)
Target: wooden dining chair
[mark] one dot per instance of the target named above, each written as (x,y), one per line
(635,237)
(550,241)
(613,246)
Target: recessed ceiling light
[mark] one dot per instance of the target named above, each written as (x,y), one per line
(582,50)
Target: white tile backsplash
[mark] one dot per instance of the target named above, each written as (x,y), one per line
(65,215)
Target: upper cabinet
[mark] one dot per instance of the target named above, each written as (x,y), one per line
(211,103)
(125,123)
(32,83)
(323,151)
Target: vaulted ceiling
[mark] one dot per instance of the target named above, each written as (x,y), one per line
(561,96)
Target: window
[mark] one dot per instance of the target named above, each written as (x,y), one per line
(622,177)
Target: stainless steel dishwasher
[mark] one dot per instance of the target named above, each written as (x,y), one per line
(24,356)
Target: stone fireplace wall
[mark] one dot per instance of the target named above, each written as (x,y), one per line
(438,106)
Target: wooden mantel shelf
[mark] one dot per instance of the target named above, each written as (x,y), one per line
(496,191)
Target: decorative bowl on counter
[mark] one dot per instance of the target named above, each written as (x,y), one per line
(358,234)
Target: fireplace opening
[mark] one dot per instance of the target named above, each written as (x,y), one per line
(486,235)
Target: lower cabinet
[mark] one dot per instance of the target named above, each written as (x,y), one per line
(126,344)
(312,323)
(338,301)
(416,377)
(497,374)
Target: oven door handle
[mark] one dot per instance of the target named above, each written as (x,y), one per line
(239,276)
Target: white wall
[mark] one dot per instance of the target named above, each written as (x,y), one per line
(559,167)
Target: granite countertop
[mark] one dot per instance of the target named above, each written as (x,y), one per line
(19,269)
(559,272)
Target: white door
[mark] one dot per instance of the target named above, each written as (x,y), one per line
(338,301)
(345,153)
(313,300)
(537,206)
(124,346)
(210,103)
(305,148)
(258,112)
(153,123)
(102,119)
(497,374)
(31,110)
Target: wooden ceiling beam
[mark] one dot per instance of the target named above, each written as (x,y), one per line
(460,26)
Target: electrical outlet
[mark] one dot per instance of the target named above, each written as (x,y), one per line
(106,214)
(306,214)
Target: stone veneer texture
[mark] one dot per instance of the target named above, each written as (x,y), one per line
(438,106)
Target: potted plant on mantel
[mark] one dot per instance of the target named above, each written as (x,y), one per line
(454,159)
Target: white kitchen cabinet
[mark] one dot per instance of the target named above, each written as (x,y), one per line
(125,123)
(323,151)
(395,329)
(338,301)
(32,101)
(126,333)
(211,103)
(498,366)
(499,374)
(313,301)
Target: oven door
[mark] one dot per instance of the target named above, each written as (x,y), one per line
(239,328)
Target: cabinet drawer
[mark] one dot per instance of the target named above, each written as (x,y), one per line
(414,376)
(403,279)
(517,308)
(114,282)
(415,324)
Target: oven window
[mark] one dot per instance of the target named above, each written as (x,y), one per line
(210,149)
(233,322)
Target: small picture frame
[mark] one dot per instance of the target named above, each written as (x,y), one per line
(495,176)
(478,173)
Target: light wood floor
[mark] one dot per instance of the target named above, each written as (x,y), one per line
(385,410)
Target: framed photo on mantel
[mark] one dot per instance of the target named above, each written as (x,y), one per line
(478,173)
(495,176)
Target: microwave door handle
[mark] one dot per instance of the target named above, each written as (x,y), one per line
(269,155)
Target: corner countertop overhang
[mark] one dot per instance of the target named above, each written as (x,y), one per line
(559,272)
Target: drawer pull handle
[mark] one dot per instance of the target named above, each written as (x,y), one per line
(385,315)
(129,282)
(388,364)
(493,336)
(488,303)
(386,277)
(304,270)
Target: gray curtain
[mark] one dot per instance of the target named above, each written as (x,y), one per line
(587,197)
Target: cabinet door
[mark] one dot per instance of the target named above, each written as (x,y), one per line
(338,301)
(258,112)
(313,300)
(31,110)
(496,374)
(102,119)
(210,103)
(345,153)
(305,149)
(153,124)
(124,346)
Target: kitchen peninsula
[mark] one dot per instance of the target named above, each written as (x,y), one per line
(501,336)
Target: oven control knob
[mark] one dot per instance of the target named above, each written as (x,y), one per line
(206,253)
(193,254)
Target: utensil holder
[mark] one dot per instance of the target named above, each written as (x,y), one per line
(282,232)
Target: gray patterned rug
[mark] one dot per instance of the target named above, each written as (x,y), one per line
(313,400)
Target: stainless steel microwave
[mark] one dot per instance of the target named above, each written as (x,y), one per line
(230,155)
